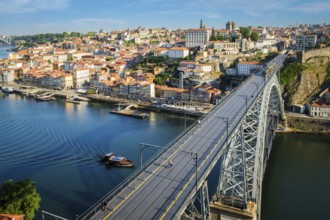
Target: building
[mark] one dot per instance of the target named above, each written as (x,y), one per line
(230,26)
(245,68)
(80,77)
(319,109)
(306,42)
(178,52)
(197,37)
(224,45)
(7,75)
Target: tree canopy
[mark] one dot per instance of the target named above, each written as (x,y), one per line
(19,198)
(245,32)
(254,36)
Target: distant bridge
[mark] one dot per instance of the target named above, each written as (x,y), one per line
(7,40)
(238,132)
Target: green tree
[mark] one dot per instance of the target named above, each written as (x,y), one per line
(254,36)
(19,198)
(245,32)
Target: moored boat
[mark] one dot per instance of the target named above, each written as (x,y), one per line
(118,161)
(7,89)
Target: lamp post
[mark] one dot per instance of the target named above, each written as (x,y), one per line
(257,85)
(196,163)
(144,146)
(245,97)
(226,120)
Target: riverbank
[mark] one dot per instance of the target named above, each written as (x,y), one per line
(301,123)
(193,109)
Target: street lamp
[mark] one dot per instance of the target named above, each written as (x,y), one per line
(226,120)
(257,85)
(246,101)
(144,146)
(196,163)
(245,97)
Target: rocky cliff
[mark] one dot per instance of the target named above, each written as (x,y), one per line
(306,82)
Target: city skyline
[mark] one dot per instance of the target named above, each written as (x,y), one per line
(56,16)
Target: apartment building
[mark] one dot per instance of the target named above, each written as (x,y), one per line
(197,37)
(178,52)
(306,42)
(80,77)
(245,68)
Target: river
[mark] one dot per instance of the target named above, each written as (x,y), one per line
(3,51)
(56,145)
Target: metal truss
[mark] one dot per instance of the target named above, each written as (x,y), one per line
(243,162)
(199,207)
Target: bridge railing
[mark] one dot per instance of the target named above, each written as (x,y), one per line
(98,205)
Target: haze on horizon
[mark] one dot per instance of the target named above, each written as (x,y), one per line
(20,17)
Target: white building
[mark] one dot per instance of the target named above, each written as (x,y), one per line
(7,75)
(204,67)
(197,37)
(245,68)
(319,110)
(225,45)
(80,77)
(178,52)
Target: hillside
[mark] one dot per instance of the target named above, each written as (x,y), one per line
(301,80)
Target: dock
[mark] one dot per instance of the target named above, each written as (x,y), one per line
(129,112)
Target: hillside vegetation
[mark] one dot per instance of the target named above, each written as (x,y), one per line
(300,81)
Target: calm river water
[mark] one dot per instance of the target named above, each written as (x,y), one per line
(56,145)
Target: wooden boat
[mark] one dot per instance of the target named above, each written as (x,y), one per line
(45,98)
(7,89)
(118,161)
(73,101)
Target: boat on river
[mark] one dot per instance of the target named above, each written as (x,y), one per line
(118,161)
(45,98)
(73,100)
(7,89)
(129,112)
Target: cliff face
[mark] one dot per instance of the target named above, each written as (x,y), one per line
(309,80)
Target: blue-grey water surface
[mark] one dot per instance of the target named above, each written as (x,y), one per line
(56,145)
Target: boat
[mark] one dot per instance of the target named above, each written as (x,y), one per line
(129,112)
(118,161)
(45,98)
(7,89)
(73,101)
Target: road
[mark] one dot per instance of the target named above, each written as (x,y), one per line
(162,191)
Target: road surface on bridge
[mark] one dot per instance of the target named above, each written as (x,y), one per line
(160,191)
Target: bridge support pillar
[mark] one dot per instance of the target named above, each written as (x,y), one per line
(220,211)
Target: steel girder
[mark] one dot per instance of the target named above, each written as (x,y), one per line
(242,164)
(202,211)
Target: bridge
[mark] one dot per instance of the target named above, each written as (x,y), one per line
(7,40)
(237,132)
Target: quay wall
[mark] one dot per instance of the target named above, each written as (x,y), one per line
(308,124)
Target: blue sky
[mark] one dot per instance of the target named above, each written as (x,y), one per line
(19,17)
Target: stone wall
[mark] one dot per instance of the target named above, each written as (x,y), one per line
(309,124)
(304,56)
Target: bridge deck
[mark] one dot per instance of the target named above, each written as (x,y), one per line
(160,191)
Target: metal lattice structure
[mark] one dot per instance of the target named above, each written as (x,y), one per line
(244,161)
(6,40)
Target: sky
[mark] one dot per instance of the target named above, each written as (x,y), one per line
(22,17)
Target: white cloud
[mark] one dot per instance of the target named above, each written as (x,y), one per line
(30,6)
(97,21)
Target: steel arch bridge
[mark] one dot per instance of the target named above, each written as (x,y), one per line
(244,161)
(6,40)
(238,132)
